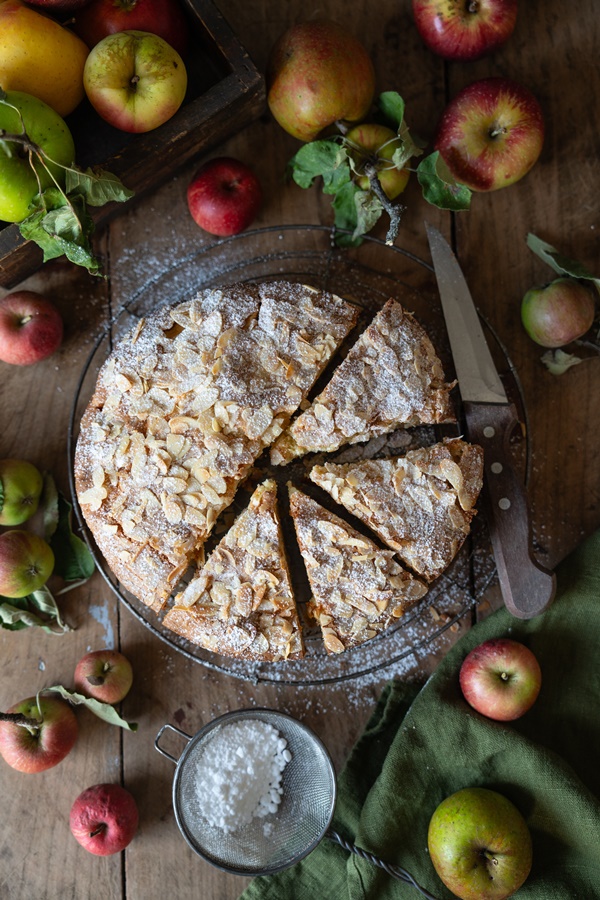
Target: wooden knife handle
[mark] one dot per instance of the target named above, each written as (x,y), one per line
(527,587)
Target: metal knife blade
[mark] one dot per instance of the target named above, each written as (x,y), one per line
(527,587)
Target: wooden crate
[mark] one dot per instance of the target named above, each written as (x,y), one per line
(225,93)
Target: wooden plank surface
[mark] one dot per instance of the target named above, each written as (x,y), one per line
(552,53)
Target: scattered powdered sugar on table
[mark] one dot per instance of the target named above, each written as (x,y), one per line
(240,774)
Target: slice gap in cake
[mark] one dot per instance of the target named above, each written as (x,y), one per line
(420,504)
(241,603)
(390,378)
(358,589)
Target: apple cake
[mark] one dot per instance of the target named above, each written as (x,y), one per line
(183,406)
(240,603)
(358,590)
(420,504)
(391,377)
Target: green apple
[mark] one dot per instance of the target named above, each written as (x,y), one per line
(559,312)
(480,845)
(135,80)
(376,144)
(44,128)
(318,73)
(26,563)
(21,486)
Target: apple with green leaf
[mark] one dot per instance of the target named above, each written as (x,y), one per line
(464,30)
(35,738)
(104,675)
(135,80)
(20,490)
(491,134)
(557,313)
(501,679)
(318,73)
(480,845)
(372,145)
(26,563)
(20,181)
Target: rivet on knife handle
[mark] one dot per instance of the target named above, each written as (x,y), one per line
(527,587)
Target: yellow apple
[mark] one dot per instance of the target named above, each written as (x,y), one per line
(375,144)
(40,57)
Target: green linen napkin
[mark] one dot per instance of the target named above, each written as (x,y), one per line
(419,747)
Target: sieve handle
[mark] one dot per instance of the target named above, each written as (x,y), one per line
(183,734)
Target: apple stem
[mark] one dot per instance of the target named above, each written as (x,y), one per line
(473,6)
(101,827)
(394,210)
(496,131)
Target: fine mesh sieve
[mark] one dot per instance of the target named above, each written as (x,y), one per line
(302,818)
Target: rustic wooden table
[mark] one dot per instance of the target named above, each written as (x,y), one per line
(553,51)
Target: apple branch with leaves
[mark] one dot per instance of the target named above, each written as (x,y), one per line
(104,711)
(73,563)
(557,360)
(333,159)
(59,221)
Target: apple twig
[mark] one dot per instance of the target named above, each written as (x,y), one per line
(394,210)
(20,719)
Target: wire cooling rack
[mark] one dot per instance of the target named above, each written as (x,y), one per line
(367,276)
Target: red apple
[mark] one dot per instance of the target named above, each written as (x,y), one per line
(376,144)
(104,819)
(501,679)
(21,486)
(480,845)
(43,743)
(26,563)
(104,675)
(162,17)
(464,29)
(317,73)
(224,196)
(30,328)
(558,313)
(135,80)
(491,134)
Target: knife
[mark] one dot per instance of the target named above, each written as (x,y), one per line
(527,587)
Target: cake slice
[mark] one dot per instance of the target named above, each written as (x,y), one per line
(182,408)
(241,603)
(391,377)
(358,590)
(420,504)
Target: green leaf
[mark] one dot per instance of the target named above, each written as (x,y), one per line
(439,187)
(73,560)
(97,187)
(561,264)
(43,600)
(61,230)
(326,159)
(391,105)
(346,214)
(103,710)
(15,613)
(558,362)
(368,212)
